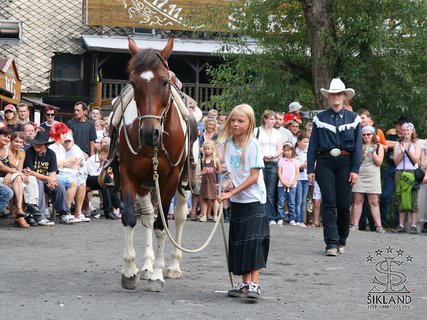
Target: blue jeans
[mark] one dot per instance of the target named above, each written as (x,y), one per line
(287,195)
(271,178)
(301,200)
(6,194)
(388,189)
(332,175)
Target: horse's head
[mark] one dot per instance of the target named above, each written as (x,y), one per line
(150,77)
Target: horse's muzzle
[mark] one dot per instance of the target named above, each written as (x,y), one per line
(150,135)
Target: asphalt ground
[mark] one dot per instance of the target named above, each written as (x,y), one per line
(73,272)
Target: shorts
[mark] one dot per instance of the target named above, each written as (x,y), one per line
(68,175)
(317,195)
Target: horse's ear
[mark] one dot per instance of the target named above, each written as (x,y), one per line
(167,50)
(133,48)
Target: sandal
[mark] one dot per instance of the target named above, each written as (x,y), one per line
(20,221)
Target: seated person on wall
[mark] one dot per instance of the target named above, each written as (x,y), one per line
(40,162)
(69,172)
(16,158)
(11,177)
(94,167)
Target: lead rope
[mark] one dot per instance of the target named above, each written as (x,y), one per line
(220,216)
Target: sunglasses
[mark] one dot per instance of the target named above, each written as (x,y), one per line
(49,114)
(367,134)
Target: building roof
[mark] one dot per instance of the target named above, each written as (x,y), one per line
(48,27)
(181,46)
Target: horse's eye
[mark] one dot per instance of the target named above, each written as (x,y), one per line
(165,82)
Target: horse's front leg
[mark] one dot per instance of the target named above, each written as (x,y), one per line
(157,282)
(180,215)
(130,277)
(146,212)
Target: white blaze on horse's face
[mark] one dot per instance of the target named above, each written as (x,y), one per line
(147,75)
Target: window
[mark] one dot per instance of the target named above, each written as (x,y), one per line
(10,30)
(67,67)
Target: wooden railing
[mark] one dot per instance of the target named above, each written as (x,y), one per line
(200,92)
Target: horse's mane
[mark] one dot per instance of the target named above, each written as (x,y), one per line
(144,60)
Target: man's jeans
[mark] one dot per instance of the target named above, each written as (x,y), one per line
(6,194)
(288,195)
(388,188)
(271,179)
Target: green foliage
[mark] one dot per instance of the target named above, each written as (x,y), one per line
(379,48)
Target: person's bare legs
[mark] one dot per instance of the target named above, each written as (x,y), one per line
(374,204)
(79,199)
(71,192)
(357,207)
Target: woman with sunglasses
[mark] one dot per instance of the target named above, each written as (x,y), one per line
(369,181)
(49,113)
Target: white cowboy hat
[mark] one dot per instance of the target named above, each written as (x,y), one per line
(337,86)
(294,106)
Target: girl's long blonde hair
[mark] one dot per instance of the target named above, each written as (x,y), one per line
(209,143)
(226,133)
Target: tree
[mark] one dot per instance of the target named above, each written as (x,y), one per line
(376,47)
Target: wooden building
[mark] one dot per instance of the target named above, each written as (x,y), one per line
(69,50)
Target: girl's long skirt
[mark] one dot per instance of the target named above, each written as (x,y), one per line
(249,238)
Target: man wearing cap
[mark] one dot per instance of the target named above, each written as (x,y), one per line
(334,158)
(40,162)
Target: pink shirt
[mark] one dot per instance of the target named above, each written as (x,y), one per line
(289,167)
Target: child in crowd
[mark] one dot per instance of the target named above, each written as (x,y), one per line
(287,186)
(211,166)
(302,184)
(99,126)
(249,234)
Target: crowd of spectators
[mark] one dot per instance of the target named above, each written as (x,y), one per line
(53,167)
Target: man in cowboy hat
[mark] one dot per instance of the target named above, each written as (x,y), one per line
(40,162)
(334,158)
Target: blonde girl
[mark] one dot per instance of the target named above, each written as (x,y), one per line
(211,166)
(249,234)
(287,186)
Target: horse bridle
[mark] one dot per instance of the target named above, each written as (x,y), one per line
(161,118)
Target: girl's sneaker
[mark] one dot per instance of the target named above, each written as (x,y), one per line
(380,230)
(280,223)
(240,290)
(293,223)
(301,224)
(254,291)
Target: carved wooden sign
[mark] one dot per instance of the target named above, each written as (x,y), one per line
(157,14)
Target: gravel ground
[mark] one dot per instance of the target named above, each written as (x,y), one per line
(73,272)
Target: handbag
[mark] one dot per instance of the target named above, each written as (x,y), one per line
(419,174)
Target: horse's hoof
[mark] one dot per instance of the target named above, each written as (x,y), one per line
(145,274)
(130,283)
(173,274)
(155,285)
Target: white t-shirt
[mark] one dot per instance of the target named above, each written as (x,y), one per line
(286,135)
(93,165)
(59,151)
(269,141)
(302,157)
(253,159)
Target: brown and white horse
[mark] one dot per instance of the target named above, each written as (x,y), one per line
(156,126)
